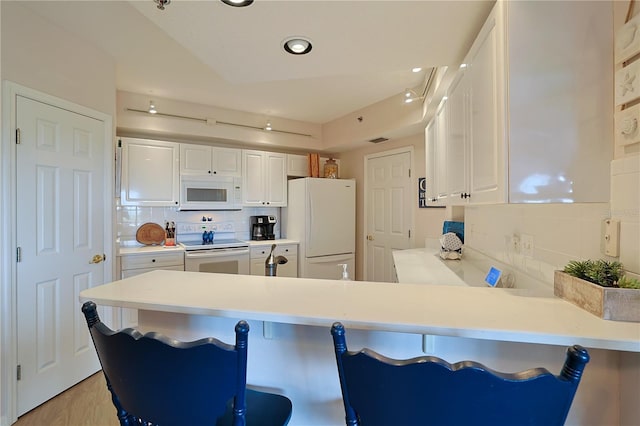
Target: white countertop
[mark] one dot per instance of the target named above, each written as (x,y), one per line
(131,250)
(268,243)
(140,249)
(425,266)
(516,315)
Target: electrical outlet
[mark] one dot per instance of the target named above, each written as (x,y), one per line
(515,243)
(527,245)
(611,237)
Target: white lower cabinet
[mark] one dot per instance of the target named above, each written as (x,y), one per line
(260,253)
(136,264)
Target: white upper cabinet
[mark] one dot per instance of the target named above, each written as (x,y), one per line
(528,119)
(265,178)
(430,152)
(456,141)
(208,160)
(297,165)
(149,173)
(560,97)
(486,150)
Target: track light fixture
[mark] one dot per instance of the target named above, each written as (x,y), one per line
(162,3)
(410,96)
(213,122)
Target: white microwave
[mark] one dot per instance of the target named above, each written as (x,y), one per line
(210,193)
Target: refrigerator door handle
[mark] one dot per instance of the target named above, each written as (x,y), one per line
(309,233)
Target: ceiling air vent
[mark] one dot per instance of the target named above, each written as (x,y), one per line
(378,140)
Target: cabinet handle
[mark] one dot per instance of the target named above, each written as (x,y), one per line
(214,172)
(209,172)
(153,260)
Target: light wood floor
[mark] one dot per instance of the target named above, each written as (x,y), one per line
(86,404)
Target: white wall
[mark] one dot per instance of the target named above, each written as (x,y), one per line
(154,126)
(44,57)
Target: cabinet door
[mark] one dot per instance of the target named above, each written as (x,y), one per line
(150,171)
(487,181)
(227,161)
(289,269)
(441,153)
(457,140)
(430,154)
(252,176)
(297,165)
(276,179)
(195,159)
(257,266)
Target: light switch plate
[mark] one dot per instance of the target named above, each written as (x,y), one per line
(611,237)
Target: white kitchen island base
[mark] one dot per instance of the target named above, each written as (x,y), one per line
(508,330)
(298,361)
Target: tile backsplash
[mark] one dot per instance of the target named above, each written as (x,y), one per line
(130,218)
(560,232)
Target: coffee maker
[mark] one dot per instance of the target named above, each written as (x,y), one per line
(262,227)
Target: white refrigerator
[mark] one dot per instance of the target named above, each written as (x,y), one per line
(321,215)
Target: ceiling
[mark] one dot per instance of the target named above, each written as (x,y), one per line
(209,53)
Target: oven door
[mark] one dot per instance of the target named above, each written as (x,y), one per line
(219,261)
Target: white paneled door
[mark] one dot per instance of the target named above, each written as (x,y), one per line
(60,233)
(389,215)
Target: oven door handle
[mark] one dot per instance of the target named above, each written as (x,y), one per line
(216,253)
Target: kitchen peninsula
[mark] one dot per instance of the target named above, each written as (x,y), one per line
(293,353)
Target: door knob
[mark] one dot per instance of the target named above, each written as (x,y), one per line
(370,237)
(98,258)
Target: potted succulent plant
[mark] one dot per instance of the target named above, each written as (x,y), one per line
(601,288)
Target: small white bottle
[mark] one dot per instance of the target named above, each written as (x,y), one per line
(345,272)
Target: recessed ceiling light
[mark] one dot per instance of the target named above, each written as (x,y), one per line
(237,3)
(297,45)
(416,69)
(463,65)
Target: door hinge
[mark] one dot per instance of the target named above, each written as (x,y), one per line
(18,254)
(409,172)
(18,137)
(409,233)
(19,372)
